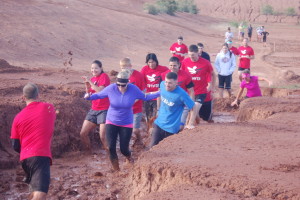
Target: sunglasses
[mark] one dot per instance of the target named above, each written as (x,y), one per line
(121,85)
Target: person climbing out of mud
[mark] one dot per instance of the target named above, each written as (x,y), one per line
(252,86)
(225,65)
(119,122)
(97,114)
(137,79)
(202,74)
(171,105)
(184,80)
(152,76)
(31,135)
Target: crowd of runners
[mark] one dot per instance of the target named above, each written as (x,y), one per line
(173,97)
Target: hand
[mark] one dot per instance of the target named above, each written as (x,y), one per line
(86,95)
(85,79)
(234,103)
(270,83)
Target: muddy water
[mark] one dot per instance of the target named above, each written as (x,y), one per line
(223,117)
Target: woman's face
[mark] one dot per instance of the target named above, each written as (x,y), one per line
(152,64)
(95,69)
(225,49)
(246,77)
(122,87)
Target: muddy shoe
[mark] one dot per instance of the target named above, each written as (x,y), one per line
(115,165)
(129,160)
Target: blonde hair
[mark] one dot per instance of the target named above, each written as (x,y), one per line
(125,61)
(124,74)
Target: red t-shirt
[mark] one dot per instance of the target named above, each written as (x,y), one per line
(200,71)
(179,48)
(234,50)
(137,79)
(245,62)
(34,127)
(152,77)
(184,78)
(101,80)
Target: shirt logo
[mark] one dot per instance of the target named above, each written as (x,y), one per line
(177,48)
(192,70)
(244,51)
(166,101)
(151,78)
(225,59)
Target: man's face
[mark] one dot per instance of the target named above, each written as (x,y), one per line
(152,64)
(179,41)
(193,56)
(245,42)
(174,66)
(125,66)
(170,84)
(200,49)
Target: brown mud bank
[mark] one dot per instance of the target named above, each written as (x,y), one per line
(258,158)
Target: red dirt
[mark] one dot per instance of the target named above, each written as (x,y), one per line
(52,43)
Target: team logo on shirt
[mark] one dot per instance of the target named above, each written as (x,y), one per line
(244,51)
(166,101)
(225,59)
(151,78)
(177,48)
(193,70)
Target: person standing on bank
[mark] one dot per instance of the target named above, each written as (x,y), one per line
(119,122)
(172,101)
(97,114)
(225,65)
(246,54)
(31,135)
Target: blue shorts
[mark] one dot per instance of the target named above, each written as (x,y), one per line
(96,116)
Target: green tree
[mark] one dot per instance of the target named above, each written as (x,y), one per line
(267,10)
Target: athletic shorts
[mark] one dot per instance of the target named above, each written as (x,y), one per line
(150,108)
(205,111)
(225,81)
(37,171)
(96,116)
(264,39)
(242,69)
(200,98)
(249,35)
(137,118)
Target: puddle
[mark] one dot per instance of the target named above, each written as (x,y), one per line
(223,117)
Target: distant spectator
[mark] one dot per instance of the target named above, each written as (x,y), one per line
(178,49)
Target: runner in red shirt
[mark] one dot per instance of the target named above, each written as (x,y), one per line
(179,49)
(97,114)
(201,72)
(152,76)
(137,79)
(246,54)
(184,80)
(31,132)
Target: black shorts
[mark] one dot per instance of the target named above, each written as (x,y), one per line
(37,171)
(264,39)
(150,108)
(242,69)
(225,81)
(200,98)
(96,116)
(205,111)
(249,35)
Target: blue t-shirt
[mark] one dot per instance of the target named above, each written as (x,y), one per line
(171,108)
(120,109)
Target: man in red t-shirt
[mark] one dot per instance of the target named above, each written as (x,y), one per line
(137,79)
(178,49)
(184,81)
(246,54)
(31,134)
(152,76)
(202,74)
(97,114)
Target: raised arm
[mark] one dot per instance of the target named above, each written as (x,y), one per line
(264,79)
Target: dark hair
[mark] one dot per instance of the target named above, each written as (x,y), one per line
(98,63)
(200,44)
(193,48)
(225,44)
(174,59)
(228,29)
(180,38)
(151,56)
(172,75)
(30,91)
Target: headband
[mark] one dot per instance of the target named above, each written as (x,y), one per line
(122,80)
